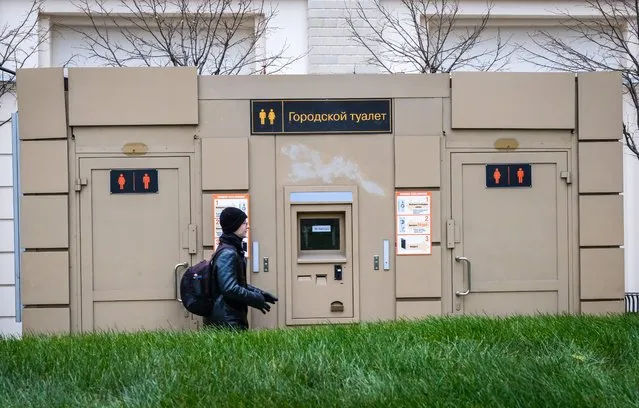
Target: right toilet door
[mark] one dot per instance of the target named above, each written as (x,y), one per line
(510,212)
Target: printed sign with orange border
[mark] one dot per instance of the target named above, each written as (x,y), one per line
(220,202)
(413,220)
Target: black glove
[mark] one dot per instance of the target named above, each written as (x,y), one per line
(265,308)
(269,298)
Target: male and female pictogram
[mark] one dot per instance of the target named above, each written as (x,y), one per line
(134,181)
(508,175)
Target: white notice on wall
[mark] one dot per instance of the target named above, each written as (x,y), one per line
(413,220)
(220,202)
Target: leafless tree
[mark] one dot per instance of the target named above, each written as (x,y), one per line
(219,37)
(606,38)
(19,40)
(426,36)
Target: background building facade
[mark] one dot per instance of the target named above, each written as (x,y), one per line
(309,37)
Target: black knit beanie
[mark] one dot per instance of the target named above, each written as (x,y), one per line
(231,218)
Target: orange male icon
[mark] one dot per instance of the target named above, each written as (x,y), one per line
(263,116)
(496,175)
(121,181)
(520,175)
(271,117)
(146,180)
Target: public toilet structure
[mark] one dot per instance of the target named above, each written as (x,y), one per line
(370,197)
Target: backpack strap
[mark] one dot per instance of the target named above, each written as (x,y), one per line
(213,274)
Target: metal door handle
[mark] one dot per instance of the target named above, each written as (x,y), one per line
(177,281)
(464,259)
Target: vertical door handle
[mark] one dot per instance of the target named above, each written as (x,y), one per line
(177,281)
(467,261)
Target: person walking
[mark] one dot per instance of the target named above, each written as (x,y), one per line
(232,294)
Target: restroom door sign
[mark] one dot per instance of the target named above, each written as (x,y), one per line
(128,181)
(508,175)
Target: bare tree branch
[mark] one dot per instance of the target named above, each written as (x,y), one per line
(219,37)
(607,40)
(425,36)
(18,42)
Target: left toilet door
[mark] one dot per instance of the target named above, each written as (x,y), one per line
(135,221)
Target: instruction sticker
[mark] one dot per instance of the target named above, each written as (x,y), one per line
(414,224)
(222,201)
(413,219)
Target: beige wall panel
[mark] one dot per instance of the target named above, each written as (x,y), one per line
(45,278)
(207,219)
(377,297)
(511,303)
(263,223)
(129,316)
(156,139)
(324,86)
(225,163)
(133,96)
(46,320)
(334,160)
(602,273)
(489,138)
(601,220)
(600,167)
(419,276)
(229,118)
(418,117)
(513,100)
(495,139)
(600,105)
(418,309)
(44,222)
(602,307)
(41,103)
(44,166)
(417,162)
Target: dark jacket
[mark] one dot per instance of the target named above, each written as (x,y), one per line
(232,295)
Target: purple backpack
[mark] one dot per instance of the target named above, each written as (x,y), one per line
(196,284)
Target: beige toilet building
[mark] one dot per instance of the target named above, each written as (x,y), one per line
(370,197)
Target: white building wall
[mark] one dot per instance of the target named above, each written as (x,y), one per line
(12,12)
(287,32)
(8,324)
(331,47)
(631,205)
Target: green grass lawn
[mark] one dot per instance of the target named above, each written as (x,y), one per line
(561,361)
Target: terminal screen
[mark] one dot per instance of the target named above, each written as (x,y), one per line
(319,234)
